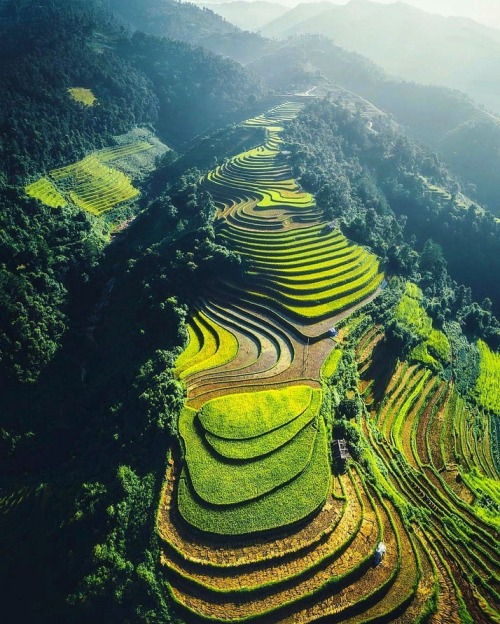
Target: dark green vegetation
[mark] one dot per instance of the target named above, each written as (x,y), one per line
(48,254)
(372,181)
(91,325)
(69,451)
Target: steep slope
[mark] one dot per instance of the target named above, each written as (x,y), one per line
(410,179)
(235,316)
(442,118)
(87,445)
(50,55)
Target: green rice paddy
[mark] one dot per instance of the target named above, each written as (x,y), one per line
(488,383)
(290,503)
(261,445)
(95,184)
(434,347)
(222,482)
(243,416)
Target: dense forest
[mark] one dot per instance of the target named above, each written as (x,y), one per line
(110,432)
(46,255)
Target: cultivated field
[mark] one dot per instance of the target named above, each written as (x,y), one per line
(102,180)
(257,521)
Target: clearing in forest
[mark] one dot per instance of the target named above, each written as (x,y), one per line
(84,96)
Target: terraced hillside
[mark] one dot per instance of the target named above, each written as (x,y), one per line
(435,455)
(254,523)
(103,179)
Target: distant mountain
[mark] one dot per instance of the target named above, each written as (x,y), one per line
(407,42)
(486,12)
(285,25)
(248,15)
(300,63)
(169,18)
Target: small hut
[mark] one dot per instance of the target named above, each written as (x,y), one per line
(340,451)
(330,227)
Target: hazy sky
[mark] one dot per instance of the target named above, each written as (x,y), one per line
(485,11)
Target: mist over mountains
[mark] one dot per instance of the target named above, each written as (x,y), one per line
(486,12)
(403,40)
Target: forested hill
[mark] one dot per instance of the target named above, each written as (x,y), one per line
(168,18)
(465,135)
(84,450)
(50,53)
(368,174)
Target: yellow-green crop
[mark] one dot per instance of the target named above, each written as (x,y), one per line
(220,481)
(247,415)
(251,448)
(286,505)
(84,96)
(488,383)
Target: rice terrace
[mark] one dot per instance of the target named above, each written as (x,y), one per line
(102,180)
(250,312)
(274,512)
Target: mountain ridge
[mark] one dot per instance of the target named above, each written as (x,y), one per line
(405,40)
